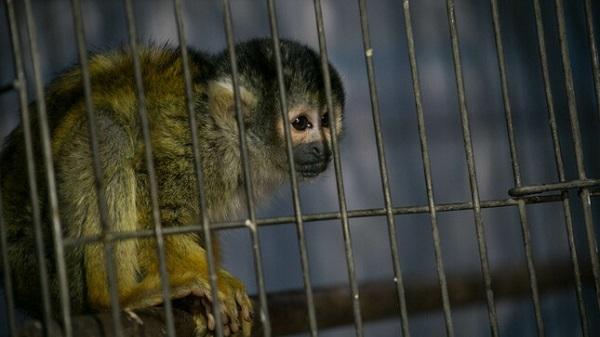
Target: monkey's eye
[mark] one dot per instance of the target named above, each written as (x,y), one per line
(301,123)
(325,120)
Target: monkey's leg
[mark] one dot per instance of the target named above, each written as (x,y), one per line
(188,276)
(79,203)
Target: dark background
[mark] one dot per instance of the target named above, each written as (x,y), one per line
(106,28)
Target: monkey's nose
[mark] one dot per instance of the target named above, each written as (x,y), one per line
(317,150)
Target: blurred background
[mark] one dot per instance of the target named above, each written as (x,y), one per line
(105,27)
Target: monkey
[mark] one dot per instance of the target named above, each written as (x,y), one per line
(126,182)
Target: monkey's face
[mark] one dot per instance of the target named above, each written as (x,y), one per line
(310,130)
(310,127)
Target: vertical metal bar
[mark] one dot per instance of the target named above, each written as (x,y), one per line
(559,165)
(427,172)
(8,288)
(158,231)
(312,318)
(589,18)
(383,171)
(576,136)
(189,100)
(22,91)
(251,222)
(468,145)
(48,164)
(515,167)
(98,171)
(358,321)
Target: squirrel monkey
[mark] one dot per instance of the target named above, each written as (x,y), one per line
(121,151)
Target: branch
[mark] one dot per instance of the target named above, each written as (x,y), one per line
(333,305)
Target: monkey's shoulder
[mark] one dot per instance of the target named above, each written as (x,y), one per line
(113,83)
(114,89)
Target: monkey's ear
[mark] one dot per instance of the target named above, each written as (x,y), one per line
(221,101)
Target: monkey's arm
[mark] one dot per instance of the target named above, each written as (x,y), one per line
(79,203)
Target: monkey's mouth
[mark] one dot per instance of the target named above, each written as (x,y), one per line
(309,170)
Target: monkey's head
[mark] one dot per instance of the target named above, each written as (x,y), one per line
(308,118)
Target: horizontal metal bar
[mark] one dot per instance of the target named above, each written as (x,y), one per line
(533,189)
(334,305)
(448,207)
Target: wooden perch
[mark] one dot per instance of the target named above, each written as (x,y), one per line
(333,305)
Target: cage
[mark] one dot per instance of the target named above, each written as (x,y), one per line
(462,198)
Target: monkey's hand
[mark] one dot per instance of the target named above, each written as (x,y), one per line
(234,304)
(192,293)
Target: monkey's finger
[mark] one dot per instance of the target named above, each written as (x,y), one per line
(201,329)
(210,320)
(246,329)
(225,317)
(225,312)
(201,293)
(208,308)
(244,306)
(226,331)
(235,327)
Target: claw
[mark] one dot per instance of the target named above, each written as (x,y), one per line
(246,329)
(239,298)
(246,314)
(234,327)
(210,321)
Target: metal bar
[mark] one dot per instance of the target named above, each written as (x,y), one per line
(312,317)
(49,167)
(358,322)
(560,167)
(450,207)
(589,18)
(431,208)
(99,185)
(32,179)
(8,287)
(383,170)
(532,189)
(471,162)
(251,222)
(189,100)
(516,171)
(576,136)
(143,119)
(468,145)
